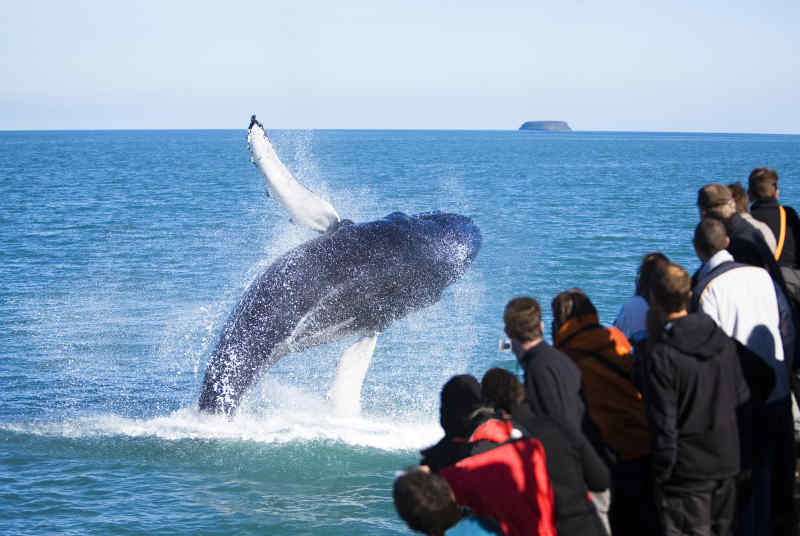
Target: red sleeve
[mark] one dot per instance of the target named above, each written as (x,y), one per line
(508,484)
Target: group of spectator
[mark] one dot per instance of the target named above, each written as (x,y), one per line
(676,420)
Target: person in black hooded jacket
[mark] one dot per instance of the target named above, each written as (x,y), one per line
(460,413)
(695,394)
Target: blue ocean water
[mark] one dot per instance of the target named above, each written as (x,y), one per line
(123,252)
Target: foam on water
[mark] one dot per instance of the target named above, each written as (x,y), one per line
(293,415)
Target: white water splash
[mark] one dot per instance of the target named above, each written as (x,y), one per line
(291,415)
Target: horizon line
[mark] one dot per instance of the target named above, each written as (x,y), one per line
(567,132)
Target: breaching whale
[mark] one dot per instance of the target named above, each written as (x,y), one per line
(351,281)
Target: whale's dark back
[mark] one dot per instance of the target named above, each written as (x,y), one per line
(353,280)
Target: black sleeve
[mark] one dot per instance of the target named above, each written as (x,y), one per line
(543,390)
(638,357)
(563,444)
(595,471)
(661,406)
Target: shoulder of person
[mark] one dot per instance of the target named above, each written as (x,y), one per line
(791,214)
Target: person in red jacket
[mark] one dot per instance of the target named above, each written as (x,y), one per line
(490,466)
(425,501)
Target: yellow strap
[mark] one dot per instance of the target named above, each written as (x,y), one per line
(782,237)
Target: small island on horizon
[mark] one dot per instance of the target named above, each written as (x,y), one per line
(546,125)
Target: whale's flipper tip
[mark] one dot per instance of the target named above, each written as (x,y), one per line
(254,121)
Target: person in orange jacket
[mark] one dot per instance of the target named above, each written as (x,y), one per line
(603,355)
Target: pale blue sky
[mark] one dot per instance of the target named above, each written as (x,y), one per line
(713,66)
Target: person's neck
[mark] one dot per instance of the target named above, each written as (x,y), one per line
(527,345)
(679,314)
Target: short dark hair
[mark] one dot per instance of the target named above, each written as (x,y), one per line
(502,389)
(739,196)
(762,183)
(671,288)
(572,303)
(523,319)
(646,269)
(425,502)
(710,236)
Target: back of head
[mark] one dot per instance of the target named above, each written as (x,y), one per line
(523,319)
(425,502)
(740,198)
(716,200)
(502,389)
(710,237)
(646,270)
(762,183)
(572,303)
(671,288)
(460,398)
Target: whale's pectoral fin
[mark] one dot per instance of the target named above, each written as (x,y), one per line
(345,392)
(305,207)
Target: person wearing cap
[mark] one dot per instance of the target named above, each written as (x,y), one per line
(747,244)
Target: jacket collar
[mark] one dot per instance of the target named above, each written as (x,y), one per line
(573,326)
(771,202)
(531,353)
(718,258)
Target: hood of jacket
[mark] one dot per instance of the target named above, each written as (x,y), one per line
(585,333)
(460,402)
(695,334)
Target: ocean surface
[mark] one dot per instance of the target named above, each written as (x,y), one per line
(123,252)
